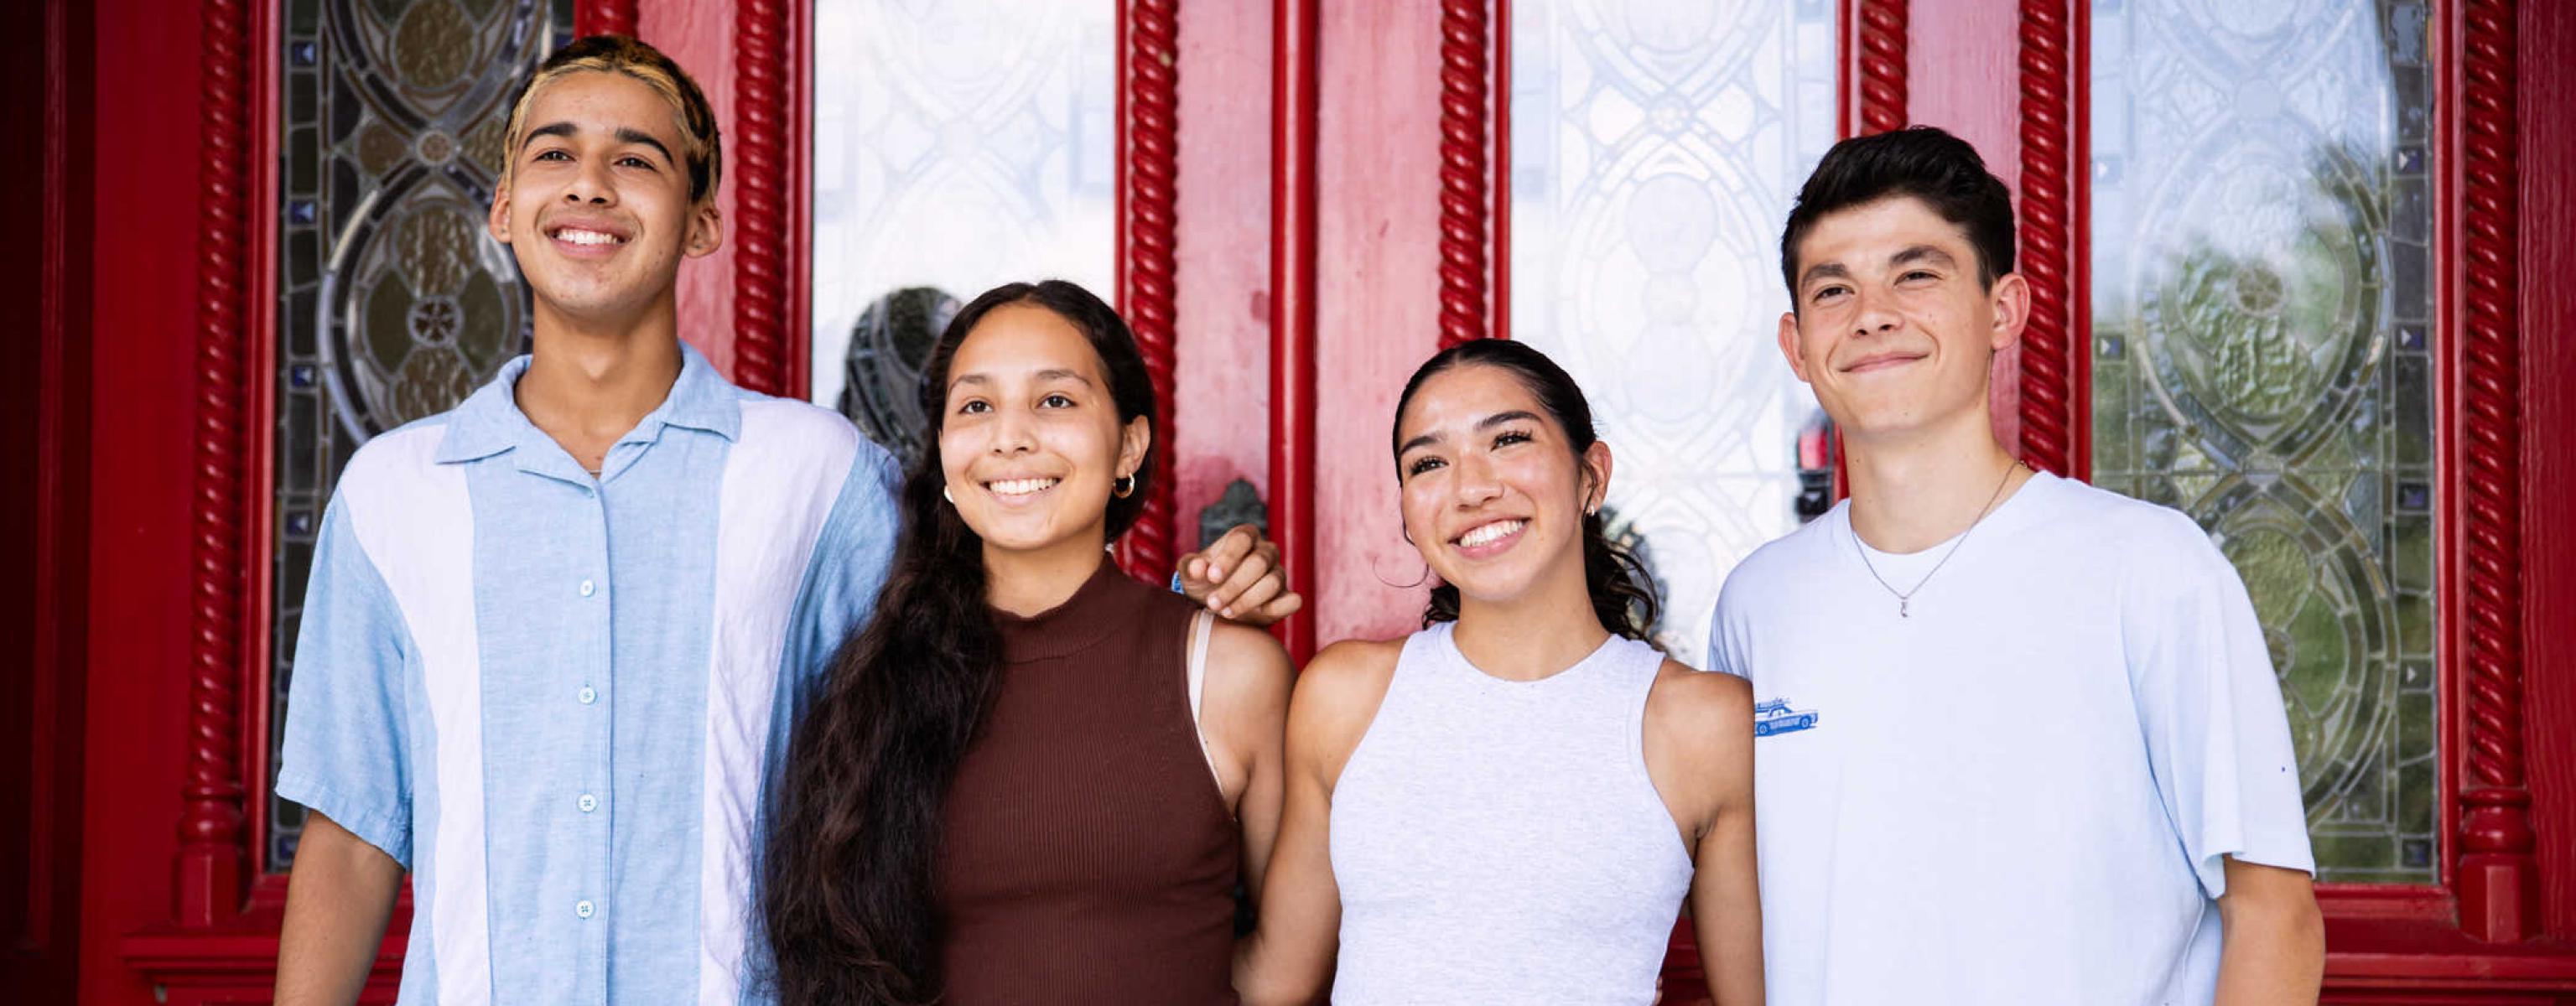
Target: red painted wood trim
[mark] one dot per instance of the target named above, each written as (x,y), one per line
(1467,252)
(603,17)
(1149,55)
(2056,414)
(2545,97)
(211,854)
(1876,71)
(2497,877)
(1295,70)
(765,98)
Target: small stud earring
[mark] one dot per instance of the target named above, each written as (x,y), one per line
(943,494)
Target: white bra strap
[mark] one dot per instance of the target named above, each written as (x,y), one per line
(1200,625)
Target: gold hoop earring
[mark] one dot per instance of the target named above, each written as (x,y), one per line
(1124,487)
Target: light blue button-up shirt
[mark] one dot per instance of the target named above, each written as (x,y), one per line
(556,698)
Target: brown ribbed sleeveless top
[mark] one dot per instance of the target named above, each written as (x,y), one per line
(1086,855)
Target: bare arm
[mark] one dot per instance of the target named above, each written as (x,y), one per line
(1699,736)
(1289,958)
(337,901)
(2275,949)
(1246,713)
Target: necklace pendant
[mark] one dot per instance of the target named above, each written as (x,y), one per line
(1901,605)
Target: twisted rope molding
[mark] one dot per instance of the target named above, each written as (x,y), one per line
(210,819)
(2052,427)
(604,17)
(764,92)
(1466,196)
(2499,875)
(1150,168)
(1881,65)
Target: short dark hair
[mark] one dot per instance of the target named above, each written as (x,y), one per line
(1923,163)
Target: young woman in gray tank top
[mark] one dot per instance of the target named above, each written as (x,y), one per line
(1511,805)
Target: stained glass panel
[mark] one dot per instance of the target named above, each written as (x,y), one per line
(1656,146)
(393,303)
(2262,361)
(958,144)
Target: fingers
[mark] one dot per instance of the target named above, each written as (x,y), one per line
(1263,616)
(1254,571)
(1220,558)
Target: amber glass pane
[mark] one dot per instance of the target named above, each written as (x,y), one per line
(2262,331)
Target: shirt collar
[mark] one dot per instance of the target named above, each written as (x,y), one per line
(489,422)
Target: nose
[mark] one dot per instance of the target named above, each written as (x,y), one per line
(1475,482)
(1011,433)
(590,185)
(1873,315)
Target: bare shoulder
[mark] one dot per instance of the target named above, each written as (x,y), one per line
(1684,697)
(1337,697)
(1700,718)
(1248,674)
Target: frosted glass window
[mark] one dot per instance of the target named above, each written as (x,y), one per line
(958,145)
(1656,148)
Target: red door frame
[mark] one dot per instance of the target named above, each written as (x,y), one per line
(169,742)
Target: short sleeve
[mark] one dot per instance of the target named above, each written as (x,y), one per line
(1721,654)
(849,566)
(346,752)
(2218,739)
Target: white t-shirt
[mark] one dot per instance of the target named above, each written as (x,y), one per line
(2022,792)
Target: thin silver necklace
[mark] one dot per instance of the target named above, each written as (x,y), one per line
(1905,598)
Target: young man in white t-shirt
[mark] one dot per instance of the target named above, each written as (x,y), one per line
(2018,739)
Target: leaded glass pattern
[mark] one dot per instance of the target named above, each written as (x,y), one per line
(393,303)
(1656,147)
(2262,360)
(958,145)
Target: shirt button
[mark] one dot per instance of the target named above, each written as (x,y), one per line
(588,588)
(588,695)
(588,803)
(583,908)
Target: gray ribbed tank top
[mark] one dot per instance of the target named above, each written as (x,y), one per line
(1500,841)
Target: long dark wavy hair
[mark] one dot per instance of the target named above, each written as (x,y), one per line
(1623,594)
(846,889)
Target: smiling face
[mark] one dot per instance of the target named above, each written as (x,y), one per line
(1494,494)
(597,205)
(1893,329)
(1030,439)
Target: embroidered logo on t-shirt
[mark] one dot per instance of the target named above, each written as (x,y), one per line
(1775,717)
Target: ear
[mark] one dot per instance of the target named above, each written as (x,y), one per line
(2011,305)
(1789,345)
(706,228)
(1596,470)
(498,223)
(1132,442)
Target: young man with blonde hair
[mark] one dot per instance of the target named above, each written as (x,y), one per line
(2018,739)
(555,638)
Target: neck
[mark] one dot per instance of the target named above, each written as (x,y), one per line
(588,382)
(1025,583)
(1545,630)
(1917,488)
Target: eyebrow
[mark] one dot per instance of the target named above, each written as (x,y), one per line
(1925,255)
(624,134)
(1049,374)
(1487,423)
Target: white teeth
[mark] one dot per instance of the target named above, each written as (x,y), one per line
(582,237)
(1491,532)
(1019,487)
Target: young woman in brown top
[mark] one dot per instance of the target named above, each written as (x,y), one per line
(1004,793)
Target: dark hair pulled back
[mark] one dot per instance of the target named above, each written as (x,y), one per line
(846,886)
(1622,591)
